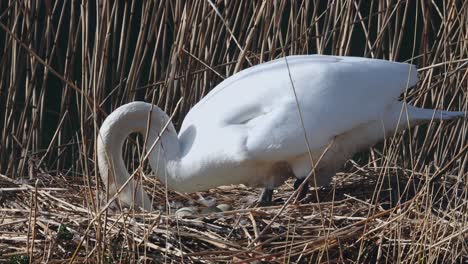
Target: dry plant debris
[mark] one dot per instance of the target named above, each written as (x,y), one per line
(47,219)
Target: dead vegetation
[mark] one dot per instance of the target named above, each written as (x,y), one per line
(66,64)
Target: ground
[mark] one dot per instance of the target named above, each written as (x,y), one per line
(348,222)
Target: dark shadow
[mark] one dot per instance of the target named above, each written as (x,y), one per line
(186,139)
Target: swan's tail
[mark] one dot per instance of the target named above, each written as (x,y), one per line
(419,116)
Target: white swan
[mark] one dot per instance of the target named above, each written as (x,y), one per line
(248,129)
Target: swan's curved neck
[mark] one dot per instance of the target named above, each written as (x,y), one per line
(148,120)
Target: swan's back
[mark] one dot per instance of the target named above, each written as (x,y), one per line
(335,94)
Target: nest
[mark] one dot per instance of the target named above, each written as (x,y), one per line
(361,218)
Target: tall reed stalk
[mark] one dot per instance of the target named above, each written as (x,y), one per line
(65,65)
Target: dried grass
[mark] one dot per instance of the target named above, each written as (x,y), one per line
(65,64)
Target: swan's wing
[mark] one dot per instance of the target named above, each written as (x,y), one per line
(334,94)
(250,89)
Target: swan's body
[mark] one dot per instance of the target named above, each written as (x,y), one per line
(248,129)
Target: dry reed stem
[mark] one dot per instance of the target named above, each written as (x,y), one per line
(160,51)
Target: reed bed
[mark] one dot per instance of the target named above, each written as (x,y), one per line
(65,65)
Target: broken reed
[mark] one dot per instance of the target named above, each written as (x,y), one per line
(66,64)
